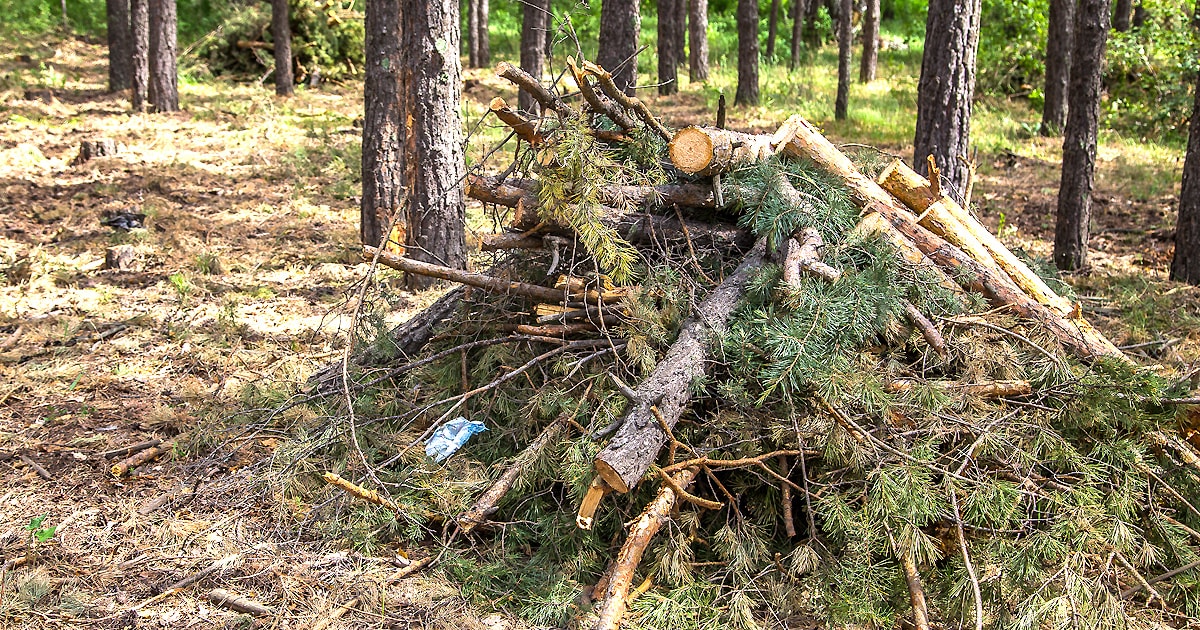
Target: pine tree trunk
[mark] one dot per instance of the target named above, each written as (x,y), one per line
(845,39)
(698,36)
(164,80)
(533,46)
(281,33)
(1185,265)
(381,177)
(1140,14)
(619,26)
(946,87)
(668,55)
(485,44)
(1079,136)
(1122,12)
(120,46)
(433,165)
(772,29)
(473,34)
(139,31)
(747,23)
(1058,65)
(870,34)
(681,32)
(811,37)
(798,7)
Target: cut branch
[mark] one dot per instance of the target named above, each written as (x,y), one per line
(598,102)
(630,103)
(525,128)
(485,505)
(636,445)
(708,151)
(479,280)
(122,468)
(525,81)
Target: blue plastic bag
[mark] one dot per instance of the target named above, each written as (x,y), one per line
(450,437)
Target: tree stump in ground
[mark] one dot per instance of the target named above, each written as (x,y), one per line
(89,149)
(121,257)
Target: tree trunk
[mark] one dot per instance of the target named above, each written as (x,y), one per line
(845,40)
(1079,141)
(772,29)
(433,165)
(139,30)
(946,87)
(120,46)
(668,55)
(164,80)
(281,33)
(619,26)
(870,58)
(1122,12)
(534,14)
(797,31)
(747,25)
(1140,14)
(811,37)
(1185,266)
(698,37)
(473,34)
(681,32)
(1058,65)
(382,181)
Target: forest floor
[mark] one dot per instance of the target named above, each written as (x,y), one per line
(238,291)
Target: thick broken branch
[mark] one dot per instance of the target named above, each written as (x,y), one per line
(122,468)
(985,389)
(598,102)
(630,103)
(658,512)
(543,96)
(525,128)
(635,446)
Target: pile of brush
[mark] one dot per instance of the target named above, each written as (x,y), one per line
(804,384)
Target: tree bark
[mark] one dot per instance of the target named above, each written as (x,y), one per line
(946,88)
(798,7)
(381,162)
(772,29)
(669,51)
(1079,141)
(1122,13)
(281,33)
(120,46)
(635,446)
(433,165)
(841,105)
(870,58)
(1059,37)
(139,29)
(534,14)
(619,26)
(698,37)
(473,34)
(811,37)
(1185,265)
(747,25)
(485,44)
(164,80)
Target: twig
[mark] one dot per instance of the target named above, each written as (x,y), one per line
(931,334)
(789,526)
(479,280)
(1125,594)
(122,468)
(132,448)
(399,574)
(366,494)
(41,472)
(1142,583)
(224,598)
(962,547)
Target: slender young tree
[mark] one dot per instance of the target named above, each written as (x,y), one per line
(619,26)
(772,29)
(1079,136)
(698,37)
(478,45)
(139,31)
(812,38)
(1122,13)
(281,33)
(164,79)
(797,32)
(1058,66)
(681,32)
(668,54)
(1185,265)
(381,163)
(870,35)
(120,46)
(534,17)
(946,88)
(433,165)
(841,105)
(747,76)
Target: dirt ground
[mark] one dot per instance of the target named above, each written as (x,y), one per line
(235,292)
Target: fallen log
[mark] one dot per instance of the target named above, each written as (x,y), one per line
(485,505)
(707,151)
(658,512)
(636,444)
(808,143)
